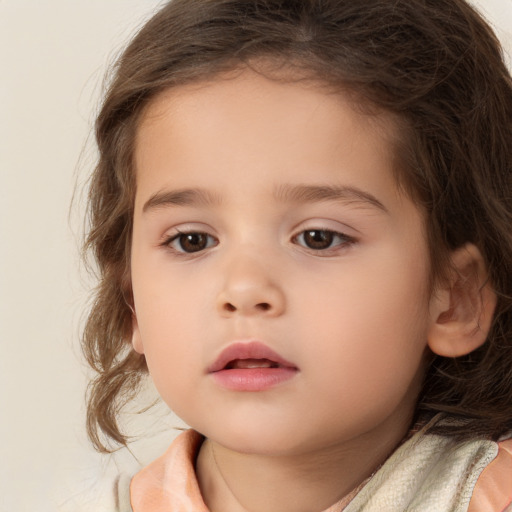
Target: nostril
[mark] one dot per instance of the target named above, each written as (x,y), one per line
(261,306)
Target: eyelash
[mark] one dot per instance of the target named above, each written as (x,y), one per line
(328,235)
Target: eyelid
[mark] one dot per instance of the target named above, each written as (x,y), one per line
(184,228)
(328,223)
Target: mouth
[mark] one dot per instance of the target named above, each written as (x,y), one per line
(246,356)
(251,367)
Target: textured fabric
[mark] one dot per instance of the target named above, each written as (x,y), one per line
(427,473)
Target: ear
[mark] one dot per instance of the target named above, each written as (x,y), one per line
(462,308)
(136,338)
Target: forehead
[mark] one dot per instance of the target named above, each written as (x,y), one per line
(250,92)
(251,124)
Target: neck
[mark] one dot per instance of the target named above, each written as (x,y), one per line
(305,482)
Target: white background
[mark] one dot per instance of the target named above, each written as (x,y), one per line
(53,54)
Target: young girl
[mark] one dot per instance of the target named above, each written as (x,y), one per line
(302,219)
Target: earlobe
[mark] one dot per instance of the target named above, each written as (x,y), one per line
(136,338)
(462,309)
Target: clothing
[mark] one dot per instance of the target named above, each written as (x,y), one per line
(428,473)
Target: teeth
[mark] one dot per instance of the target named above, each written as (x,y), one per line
(252,363)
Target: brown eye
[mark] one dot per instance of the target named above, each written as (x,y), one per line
(322,239)
(318,239)
(191,242)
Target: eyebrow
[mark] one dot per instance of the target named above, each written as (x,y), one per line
(182,197)
(320,193)
(284,193)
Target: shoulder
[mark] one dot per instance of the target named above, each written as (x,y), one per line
(110,483)
(431,472)
(493,489)
(101,483)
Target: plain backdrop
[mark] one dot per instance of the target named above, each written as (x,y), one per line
(53,54)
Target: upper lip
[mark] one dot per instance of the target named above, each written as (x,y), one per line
(247,350)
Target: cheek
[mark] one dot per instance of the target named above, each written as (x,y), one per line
(381,295)
(165,324)
(374,324)
(175,316)
(165,301)
(372,367)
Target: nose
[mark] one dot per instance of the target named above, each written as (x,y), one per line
(249,290)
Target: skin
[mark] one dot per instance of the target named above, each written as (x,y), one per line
(354,317)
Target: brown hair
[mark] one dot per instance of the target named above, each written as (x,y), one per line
(434,64)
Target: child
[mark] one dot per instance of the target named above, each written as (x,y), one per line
(302,219)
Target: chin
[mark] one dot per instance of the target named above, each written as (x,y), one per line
(256,439)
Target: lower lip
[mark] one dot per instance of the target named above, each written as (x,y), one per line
(253,379)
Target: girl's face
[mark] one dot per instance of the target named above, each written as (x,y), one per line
(280,278)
